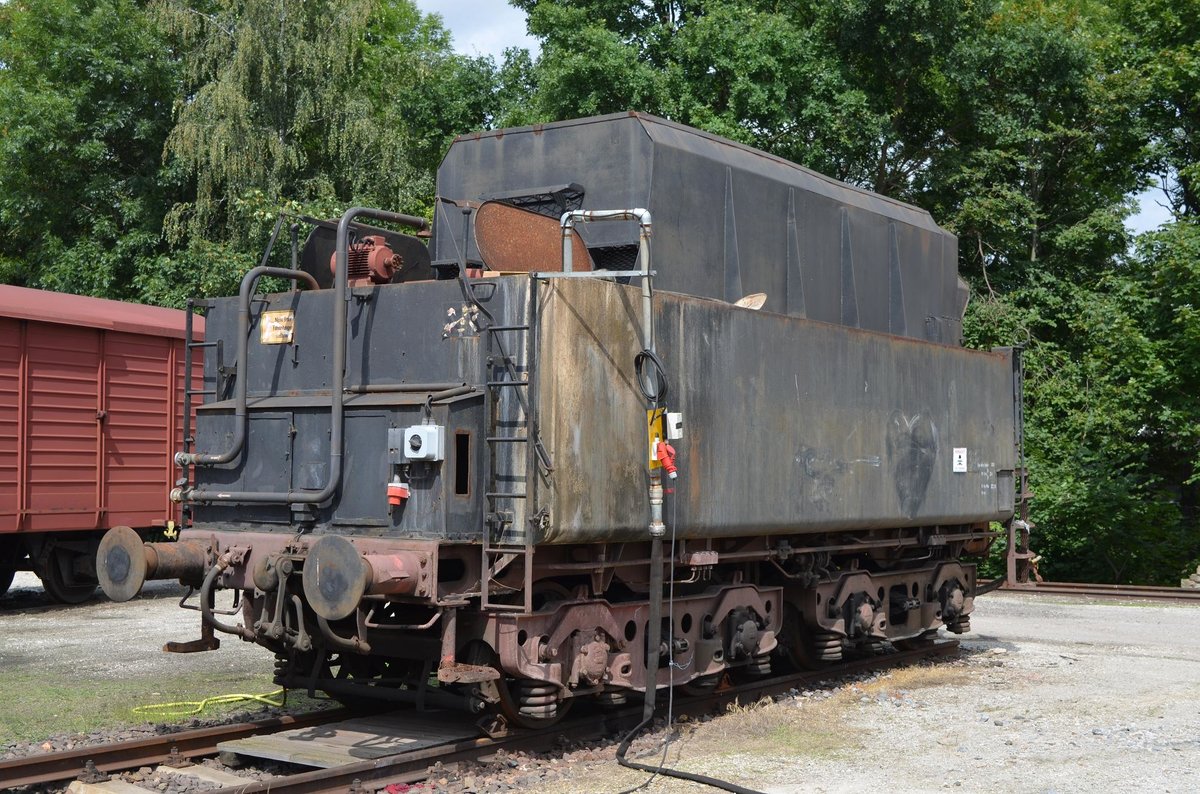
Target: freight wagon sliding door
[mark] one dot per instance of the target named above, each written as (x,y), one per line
(61,430)
(140,431)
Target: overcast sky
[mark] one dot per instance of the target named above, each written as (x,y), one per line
(487,27)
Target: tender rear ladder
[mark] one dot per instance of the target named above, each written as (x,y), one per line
(503,541)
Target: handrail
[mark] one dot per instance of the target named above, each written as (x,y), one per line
(642,216)
(249,282)
(337,381)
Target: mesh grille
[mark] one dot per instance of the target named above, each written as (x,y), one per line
(614,257)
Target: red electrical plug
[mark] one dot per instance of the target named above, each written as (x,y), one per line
(397,492)
(666,456)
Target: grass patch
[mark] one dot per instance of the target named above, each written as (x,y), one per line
(34,706)
(917,677)
(814,729)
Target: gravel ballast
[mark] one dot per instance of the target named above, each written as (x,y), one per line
(1049,695)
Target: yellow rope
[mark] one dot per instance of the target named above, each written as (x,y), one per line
(187,708)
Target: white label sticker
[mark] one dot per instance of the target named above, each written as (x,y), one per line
(960,460)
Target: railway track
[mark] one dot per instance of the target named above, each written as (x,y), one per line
(172,747)
(1085,590)
(409,767)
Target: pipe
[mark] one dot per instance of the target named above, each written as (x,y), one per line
(337,382)
(654,629)
(353,644)
(434,396)
(657,528)
(642,216)
(372,388)
(249,282)
(294,230)
(206,598)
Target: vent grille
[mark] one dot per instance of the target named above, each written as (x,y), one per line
(359,260)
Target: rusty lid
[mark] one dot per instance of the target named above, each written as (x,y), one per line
(511,239)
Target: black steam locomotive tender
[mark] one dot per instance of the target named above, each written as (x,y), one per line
(643,395)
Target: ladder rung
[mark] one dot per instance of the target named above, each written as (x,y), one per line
(514,439)
(203,344)
(202,391)
(508,383)
(504,494)
(522,550)
(508,328)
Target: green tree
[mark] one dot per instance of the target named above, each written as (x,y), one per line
(1022,125)
(1048,147)
(85,104)
(309,106)
(1163,43)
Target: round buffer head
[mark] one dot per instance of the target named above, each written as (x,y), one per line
(335,577)
(121,563)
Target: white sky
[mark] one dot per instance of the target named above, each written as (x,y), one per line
(482,27)
(1152,211)
(487,27)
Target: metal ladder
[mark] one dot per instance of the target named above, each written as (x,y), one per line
(502,373)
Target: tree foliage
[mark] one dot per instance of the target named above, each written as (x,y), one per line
(85,103)
(309,106)
(1024,126)
(145,149)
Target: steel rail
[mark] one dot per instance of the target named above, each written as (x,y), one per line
(1088,590)
(118,756)
(412,767)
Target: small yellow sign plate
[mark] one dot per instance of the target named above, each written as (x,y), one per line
(656,430)
(277,327)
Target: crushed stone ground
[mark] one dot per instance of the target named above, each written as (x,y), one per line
(1049,695)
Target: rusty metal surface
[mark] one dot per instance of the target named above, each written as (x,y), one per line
(90,411)
(516,240)
(561,641)
(790,425)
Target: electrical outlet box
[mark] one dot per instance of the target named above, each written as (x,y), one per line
(423,442)
(674,425)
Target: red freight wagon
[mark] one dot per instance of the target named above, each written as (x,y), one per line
(91,413)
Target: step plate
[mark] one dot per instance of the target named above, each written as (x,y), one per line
(355,740)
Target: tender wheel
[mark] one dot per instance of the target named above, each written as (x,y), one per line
(960,625)
(6,580)
(704,684)
(58,578)
(795,641)
(922,640)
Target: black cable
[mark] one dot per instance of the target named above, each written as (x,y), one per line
(464,282)
(661,768)
(656,392)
